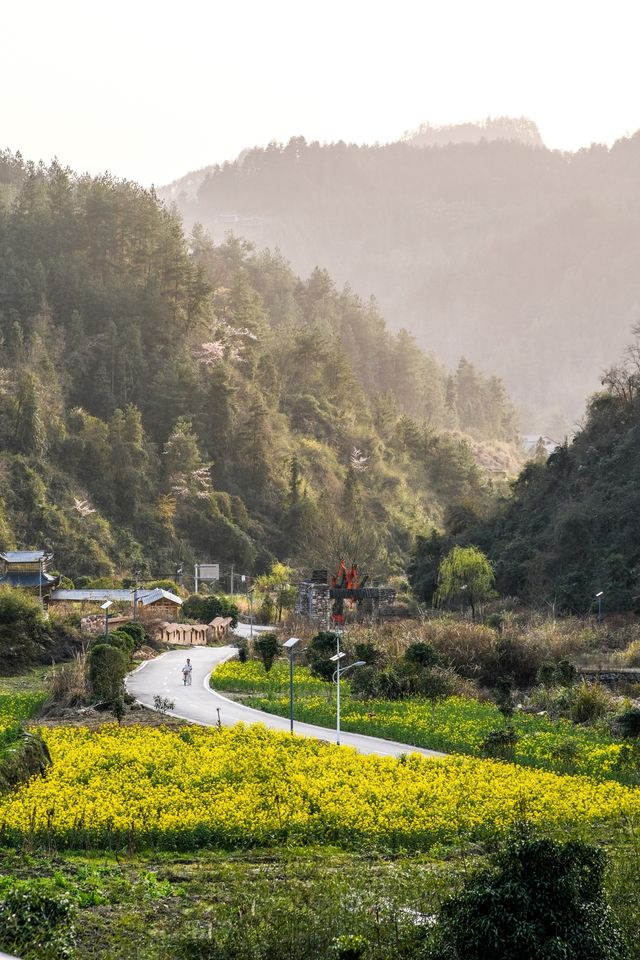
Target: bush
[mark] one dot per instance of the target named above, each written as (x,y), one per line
(500,744)
(468,647)
(628,723)
(136,632)
(37,925)
(122,641)
(267,648)
(107,669)
(421,655)
(23,634)
(203,609)
(565,673)
(591,701)
(266,610)
(319,651)
(546,674)
(544,900)
(631,656)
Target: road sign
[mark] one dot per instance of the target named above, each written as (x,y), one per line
(208,571)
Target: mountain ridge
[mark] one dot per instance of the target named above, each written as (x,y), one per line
(522,258)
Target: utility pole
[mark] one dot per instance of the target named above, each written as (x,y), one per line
(136,575)
(232,568)
(197,573)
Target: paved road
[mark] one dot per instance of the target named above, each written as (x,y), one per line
(200,704)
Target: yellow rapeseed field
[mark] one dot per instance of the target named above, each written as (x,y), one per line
(245,786)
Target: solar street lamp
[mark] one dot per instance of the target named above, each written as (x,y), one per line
(339,671)
(288,646)
(599,597)
(105,606)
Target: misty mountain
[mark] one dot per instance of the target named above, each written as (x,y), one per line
(523,259)
(519,129)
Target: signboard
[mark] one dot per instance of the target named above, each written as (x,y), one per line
(208,571)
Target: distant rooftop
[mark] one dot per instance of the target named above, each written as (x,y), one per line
(152,596)
(145,597)
(25,556)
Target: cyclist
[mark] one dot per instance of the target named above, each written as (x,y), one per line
(186,672)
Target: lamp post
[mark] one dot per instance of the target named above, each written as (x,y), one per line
(599,597)
(336,658)
(251,614)
(105,606)
(289,645)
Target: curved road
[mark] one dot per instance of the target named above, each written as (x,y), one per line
(200,704)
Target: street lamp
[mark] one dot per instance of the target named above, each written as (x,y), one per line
(288,646)
(336,658)
(105,606)
(599,597)
(251,614)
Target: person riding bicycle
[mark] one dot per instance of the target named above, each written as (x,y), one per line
(186,672)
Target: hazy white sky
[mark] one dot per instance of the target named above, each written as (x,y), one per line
(151,90)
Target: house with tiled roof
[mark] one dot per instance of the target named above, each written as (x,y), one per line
(27,570)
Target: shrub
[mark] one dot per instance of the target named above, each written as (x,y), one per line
(468,647)
(628,723)
(591,701)
(565,673)
(421,655)
(23,635)
(163,704)
(544,900)
(204,609)
(34,924)
(266,610)
(267,647)
(367,652)
(546,674)
(321,648)
(122,641)
(107,669)
(503,696)
(500,744)
(136,632)
(631,656)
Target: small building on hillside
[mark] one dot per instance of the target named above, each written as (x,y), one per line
(27,570)
(158,603)
(150,603)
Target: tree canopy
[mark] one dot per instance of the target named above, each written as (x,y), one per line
(164,399)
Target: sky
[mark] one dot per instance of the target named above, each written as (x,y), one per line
(152,90)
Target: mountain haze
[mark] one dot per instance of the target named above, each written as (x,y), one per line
(523,259)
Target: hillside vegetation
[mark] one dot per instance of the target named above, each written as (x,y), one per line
(571,527)
(163,399)
(522,258)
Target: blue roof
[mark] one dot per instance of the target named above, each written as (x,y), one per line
(24,556)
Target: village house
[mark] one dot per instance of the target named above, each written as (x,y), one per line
(27,570)
(157,603)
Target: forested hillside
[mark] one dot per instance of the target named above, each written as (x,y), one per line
(523,259)
(572,525)
(163,399)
